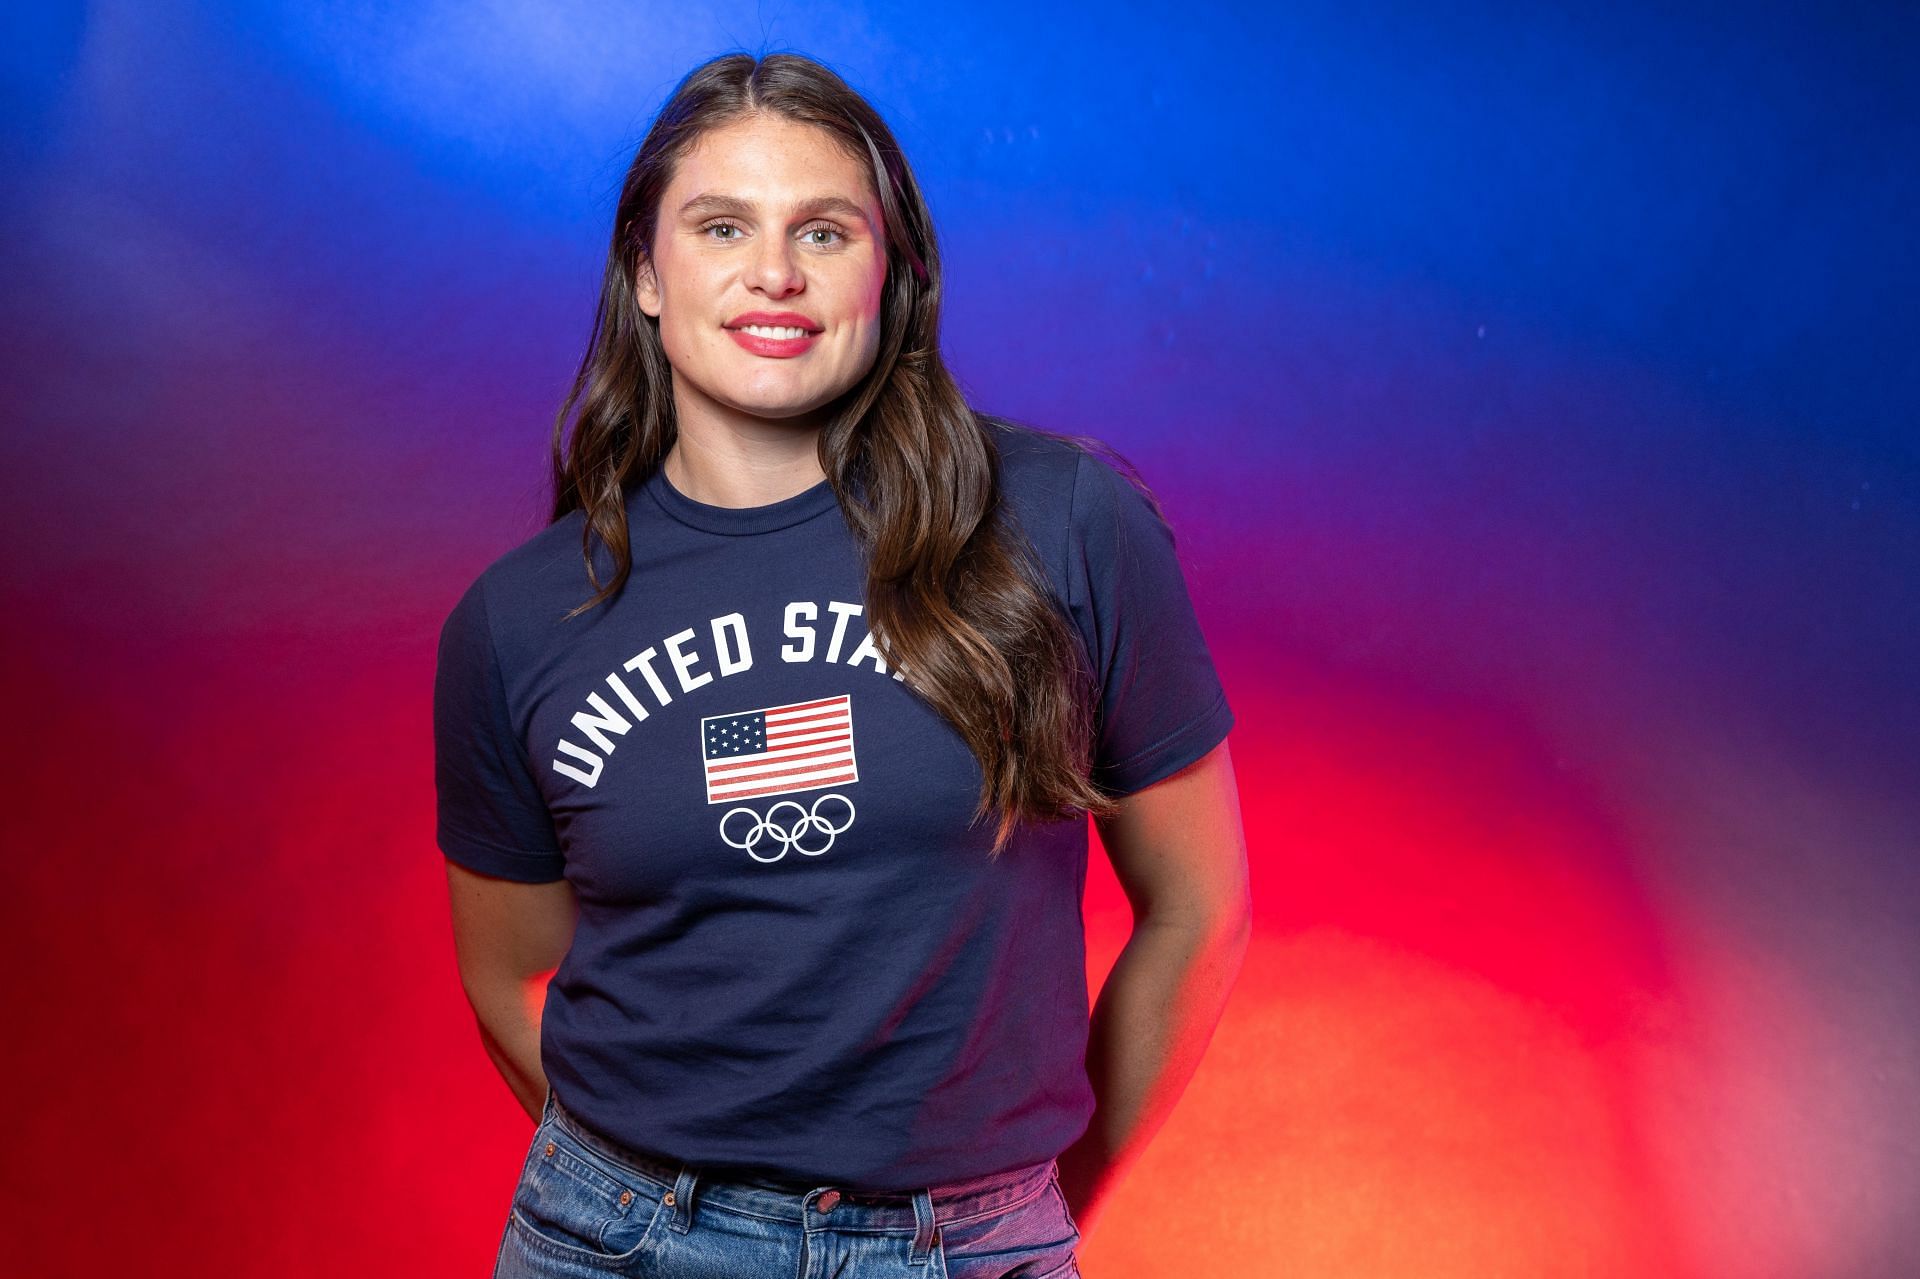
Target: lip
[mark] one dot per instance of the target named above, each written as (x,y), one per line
(774,348)
(782,319)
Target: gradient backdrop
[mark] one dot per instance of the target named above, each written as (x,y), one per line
(1533,393)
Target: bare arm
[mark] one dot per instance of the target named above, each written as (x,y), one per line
(508,938)
(1179,852)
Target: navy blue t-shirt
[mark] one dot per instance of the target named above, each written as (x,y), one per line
(793,955)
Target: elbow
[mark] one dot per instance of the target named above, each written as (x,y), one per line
(1231,923)
(502,999)
(1231,913)
(1228,925)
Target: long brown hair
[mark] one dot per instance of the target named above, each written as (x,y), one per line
(954,597)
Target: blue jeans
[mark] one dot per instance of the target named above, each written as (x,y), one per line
(586,1207)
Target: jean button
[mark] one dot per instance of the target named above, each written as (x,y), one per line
(828,1200)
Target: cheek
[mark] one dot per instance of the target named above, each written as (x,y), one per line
(685,294)
(684,327)
(867,298)
(688,349)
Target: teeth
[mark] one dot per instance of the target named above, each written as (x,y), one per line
(773,331)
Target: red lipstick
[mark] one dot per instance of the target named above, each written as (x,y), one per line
(776,348)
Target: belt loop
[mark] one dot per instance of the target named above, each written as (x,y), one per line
(546,1107)
(925,1234)
(683,1188)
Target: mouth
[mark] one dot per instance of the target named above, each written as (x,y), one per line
(774,332)
(775,325)
(775,341)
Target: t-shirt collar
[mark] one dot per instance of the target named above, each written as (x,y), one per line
(739,520)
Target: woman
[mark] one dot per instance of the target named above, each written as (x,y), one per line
(780,742)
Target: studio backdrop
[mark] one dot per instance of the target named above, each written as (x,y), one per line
(1531,389)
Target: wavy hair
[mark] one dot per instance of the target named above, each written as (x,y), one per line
(954,597)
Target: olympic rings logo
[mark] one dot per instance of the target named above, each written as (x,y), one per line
(789,835)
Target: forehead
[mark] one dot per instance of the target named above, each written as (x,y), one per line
(769,160)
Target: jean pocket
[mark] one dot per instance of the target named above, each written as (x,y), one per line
(1033,1235)
(572,1205)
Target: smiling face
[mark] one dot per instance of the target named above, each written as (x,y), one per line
(771,216)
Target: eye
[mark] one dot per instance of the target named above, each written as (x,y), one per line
(819,228)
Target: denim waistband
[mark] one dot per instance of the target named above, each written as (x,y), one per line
(744,1191)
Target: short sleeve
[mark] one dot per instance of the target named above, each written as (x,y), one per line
(1161,705)
(491,817)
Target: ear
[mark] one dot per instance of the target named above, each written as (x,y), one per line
(646,288)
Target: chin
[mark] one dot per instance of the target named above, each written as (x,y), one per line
(777,410)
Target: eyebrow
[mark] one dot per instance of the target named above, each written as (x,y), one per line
(710,202)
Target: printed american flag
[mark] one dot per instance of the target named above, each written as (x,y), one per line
(778,749)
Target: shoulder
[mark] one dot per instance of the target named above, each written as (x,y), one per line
(1077,483)
(1056,477)
(531,582)
(1027,450)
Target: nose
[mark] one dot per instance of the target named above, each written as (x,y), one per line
(776,269)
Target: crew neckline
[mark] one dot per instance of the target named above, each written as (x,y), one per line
(739,520)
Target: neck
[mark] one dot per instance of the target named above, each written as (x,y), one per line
(746,462)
